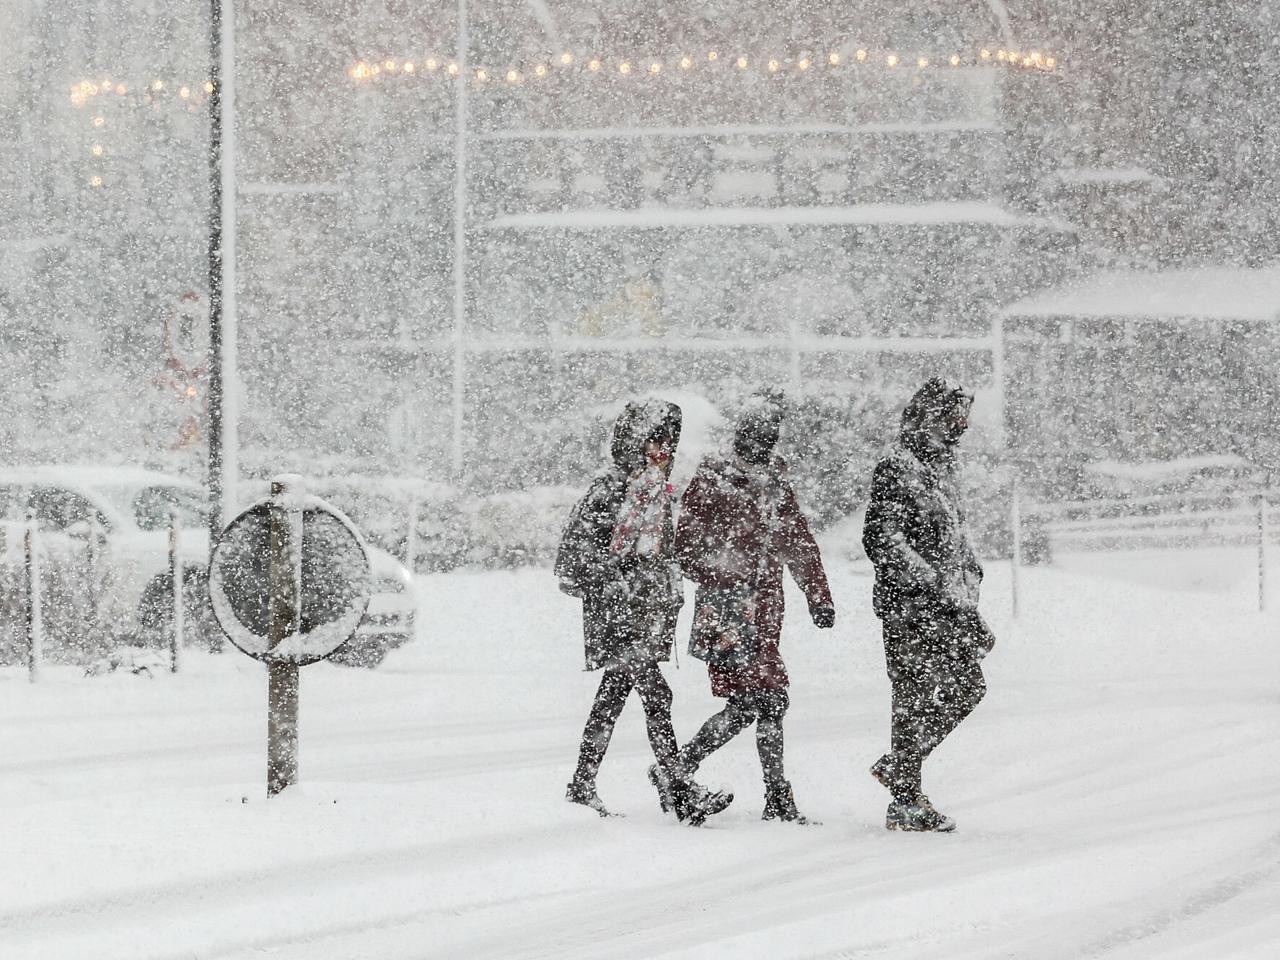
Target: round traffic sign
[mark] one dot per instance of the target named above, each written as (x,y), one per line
(289,579)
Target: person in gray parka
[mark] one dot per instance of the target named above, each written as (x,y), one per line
(925,594)
(617,555)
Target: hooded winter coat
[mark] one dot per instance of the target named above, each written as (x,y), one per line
(915,533)
(629,603)
(741,523)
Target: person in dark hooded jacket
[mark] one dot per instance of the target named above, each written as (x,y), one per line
(740,524)
(617,555)
(925,594)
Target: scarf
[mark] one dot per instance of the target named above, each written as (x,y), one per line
(640,526)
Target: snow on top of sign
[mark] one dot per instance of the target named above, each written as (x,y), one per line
(865,213)
(1198,293)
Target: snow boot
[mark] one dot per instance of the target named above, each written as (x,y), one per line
(695,803)
(780,804)
(883,771)
(688,800)
(585,794)
(917,815)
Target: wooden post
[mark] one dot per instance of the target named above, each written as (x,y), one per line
(282,675)
(1015,523)
(31,564)
(175,581)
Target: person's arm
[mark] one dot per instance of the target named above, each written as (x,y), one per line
(884,534)
(804,559)
(584,564)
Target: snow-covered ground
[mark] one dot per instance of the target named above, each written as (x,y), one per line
(1117,794)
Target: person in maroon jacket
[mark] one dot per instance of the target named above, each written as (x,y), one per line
(740,524)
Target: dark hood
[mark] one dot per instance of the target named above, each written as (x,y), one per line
(640,421)
(934,403)
(756,432)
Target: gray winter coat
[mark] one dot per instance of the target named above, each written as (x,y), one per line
(629,606)
(915,532)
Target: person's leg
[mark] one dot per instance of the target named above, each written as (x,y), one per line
(961,687)
(779,800)
(771,707)
(610,697)
(738,713)
(908,656)
(655,696)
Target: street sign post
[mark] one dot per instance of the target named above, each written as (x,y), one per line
(289,581)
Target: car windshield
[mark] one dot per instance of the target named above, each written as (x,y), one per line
(152,505)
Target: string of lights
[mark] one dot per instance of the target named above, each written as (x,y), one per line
(159,92)
(374,69)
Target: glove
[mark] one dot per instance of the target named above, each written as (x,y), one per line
(824,616)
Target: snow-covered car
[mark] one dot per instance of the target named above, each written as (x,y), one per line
(108,527)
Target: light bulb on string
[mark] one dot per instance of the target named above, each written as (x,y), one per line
(803,64)
(773,66)
(540,70)
(922,62)
(955,60)
(742,63)
(566,58)
(833,58)
(410,66)
(686,63)
(655,68)
(861,55)
(892,60)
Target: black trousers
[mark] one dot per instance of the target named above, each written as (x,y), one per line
(764,708)
(615,686)
(935,670)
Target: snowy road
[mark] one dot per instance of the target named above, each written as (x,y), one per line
(1117,795)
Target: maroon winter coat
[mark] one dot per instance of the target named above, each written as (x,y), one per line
(724,537)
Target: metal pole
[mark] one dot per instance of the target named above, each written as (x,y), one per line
(411,541)
(1015,524)
(222,467)
(998,375)
(460,242)
(1262,544)
(283,598)
(175,582)
(31,554)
